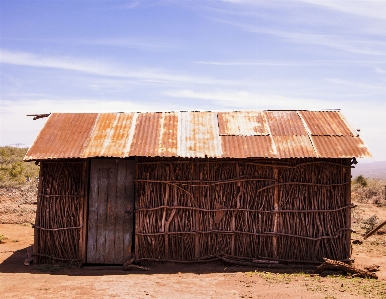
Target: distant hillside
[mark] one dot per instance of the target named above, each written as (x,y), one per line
(370,170)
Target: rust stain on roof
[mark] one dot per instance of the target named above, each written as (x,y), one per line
(63,136)
(285,123)
(108,138)
(167,146)
(248,147)
(268,134)
(326,123)
(242,123)
(199,135)
(146,137)
(340,146)
(297,146)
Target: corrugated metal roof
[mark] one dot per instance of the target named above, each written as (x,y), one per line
(146,135)
(326,123)
(168,139)
(63,136)
(242,123)
(110,129)
(248,146)
(340,146)
(294,146)
(198,135)
(241,134)
(285,123)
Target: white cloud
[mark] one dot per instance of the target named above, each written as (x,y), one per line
(104,68)
(358,44)
(369,9)
(248,100)
(364,8)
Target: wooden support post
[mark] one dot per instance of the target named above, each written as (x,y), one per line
(197,194)
(84,215)
(276,215)
(165,228)
(347,171)
(136,213)
(233,221)
(37,219)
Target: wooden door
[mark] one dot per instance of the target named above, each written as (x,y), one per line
(110,218)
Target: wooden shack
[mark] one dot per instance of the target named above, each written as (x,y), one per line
(189,186)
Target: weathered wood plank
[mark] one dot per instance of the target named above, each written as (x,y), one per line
(93,214)
(112,209)
(120,212)
(104,174)
(129,216)
(84,218)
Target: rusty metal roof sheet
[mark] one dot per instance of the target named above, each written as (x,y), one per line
(242,123)
(110,129)
(340,146)
(294,146)
(63,136)
(241,134)
(285,123)
(326,123)
(198,135)
(248,146)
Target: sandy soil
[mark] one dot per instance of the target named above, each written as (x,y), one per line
(174,281)
(177,281)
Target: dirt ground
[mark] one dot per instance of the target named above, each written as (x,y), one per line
(214,280)
(166,280)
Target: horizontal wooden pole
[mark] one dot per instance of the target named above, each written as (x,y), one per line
(54,229)
(244,210)
(265,234)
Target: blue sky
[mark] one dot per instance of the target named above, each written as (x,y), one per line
(165,55)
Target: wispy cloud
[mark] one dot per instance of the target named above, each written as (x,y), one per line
(130,5)
(248,100)
(353,44)
(249,63)
(105,68)
(134,43)
(357,27)
(292,63)
(372,9)
(369,8)
(147,44)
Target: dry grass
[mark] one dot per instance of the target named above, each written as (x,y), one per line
(366,190)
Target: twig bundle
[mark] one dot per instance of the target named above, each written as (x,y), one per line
(191,209)
(60,205)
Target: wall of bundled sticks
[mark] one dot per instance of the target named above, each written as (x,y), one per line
(286,210)
(59,216)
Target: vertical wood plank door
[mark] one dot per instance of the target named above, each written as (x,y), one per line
(110,217)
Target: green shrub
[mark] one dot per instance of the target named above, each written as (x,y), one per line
(361,180)
(13,170)
(2,238)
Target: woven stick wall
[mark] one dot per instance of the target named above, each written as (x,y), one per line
(289,210)
(59,218)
